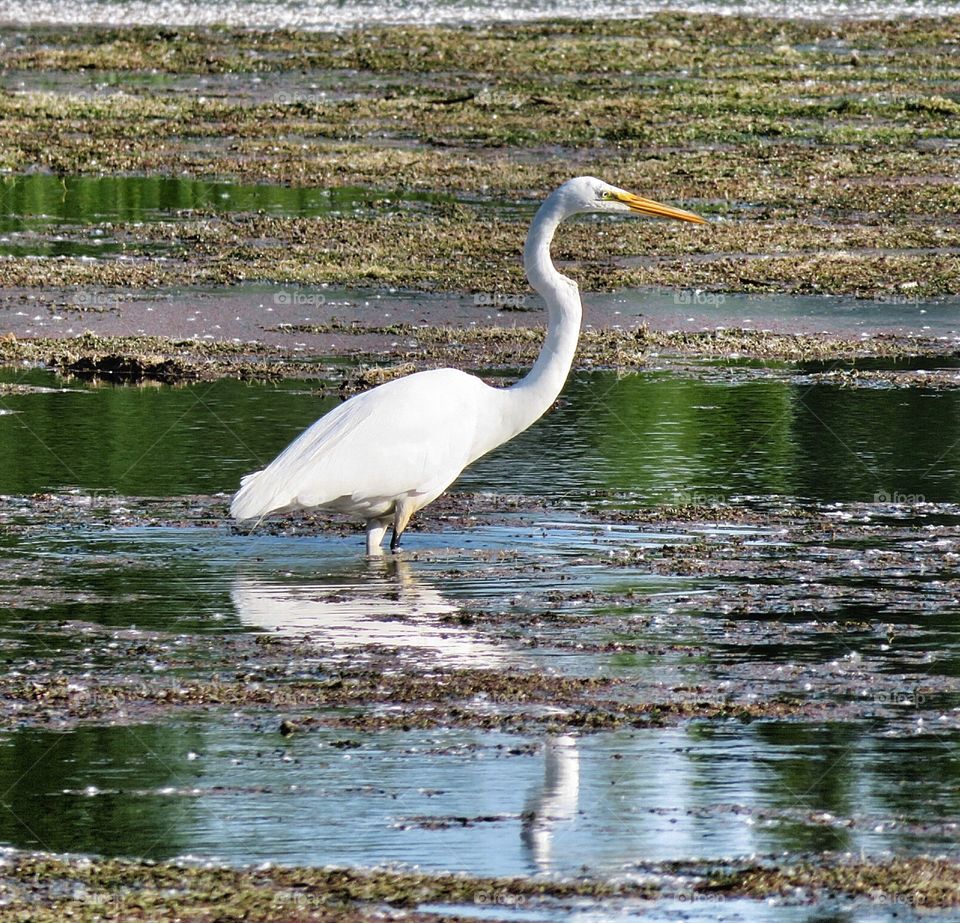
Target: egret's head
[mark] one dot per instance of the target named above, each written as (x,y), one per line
(588,194)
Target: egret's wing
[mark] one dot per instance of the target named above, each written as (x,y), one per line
(410,436)
(274,488)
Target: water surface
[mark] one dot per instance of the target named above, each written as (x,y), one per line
(481,802)
(535,589)
(40,200)
(649,438)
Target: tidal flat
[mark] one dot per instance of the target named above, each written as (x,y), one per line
(687,648)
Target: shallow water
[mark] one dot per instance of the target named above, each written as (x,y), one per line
(864,621)
(486,803)
(37,201)
(650,438)
(689,309)
(45,214)
(242,87)
(258,311)
(214,581)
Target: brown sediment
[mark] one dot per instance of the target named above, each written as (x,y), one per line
(929,379)
(418,250)
(444,698)
(496,346)
(835,174)
(920,882)
(134,359)
(769,577)
(122,890)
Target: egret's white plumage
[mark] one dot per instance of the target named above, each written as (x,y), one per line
(387,453)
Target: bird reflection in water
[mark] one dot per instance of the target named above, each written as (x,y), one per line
(553,803)
(386,604)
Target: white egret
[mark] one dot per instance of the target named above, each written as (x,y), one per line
(388,452)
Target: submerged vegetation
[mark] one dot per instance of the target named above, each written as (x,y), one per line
(136,359)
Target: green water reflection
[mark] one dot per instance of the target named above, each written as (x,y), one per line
(71,791)
(656,438)
(39,200)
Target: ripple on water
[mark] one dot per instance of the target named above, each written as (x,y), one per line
(487,803)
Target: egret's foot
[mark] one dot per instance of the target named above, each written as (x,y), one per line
(401,516)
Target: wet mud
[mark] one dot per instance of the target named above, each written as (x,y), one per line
(380,353)
(854,591)
(830,620)
(840,184)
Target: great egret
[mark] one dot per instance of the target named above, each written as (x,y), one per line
(388,452)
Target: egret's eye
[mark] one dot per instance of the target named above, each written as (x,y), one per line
(606,195)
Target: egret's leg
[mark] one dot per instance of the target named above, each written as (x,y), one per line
(402,512)
(376,529)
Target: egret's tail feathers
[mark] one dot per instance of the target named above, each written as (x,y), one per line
(255,499)
(298,478)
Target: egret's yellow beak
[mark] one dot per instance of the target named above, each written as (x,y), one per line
(656,209)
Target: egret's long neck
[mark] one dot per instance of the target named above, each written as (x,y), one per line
(533,395)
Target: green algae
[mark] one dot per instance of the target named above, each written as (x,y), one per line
(134,359)
(509,347)
(365,700)
(42,887)
(426,248)
(846,159)
(565,46)
(437,248)
(827,153)
(918,882)
(118,889)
